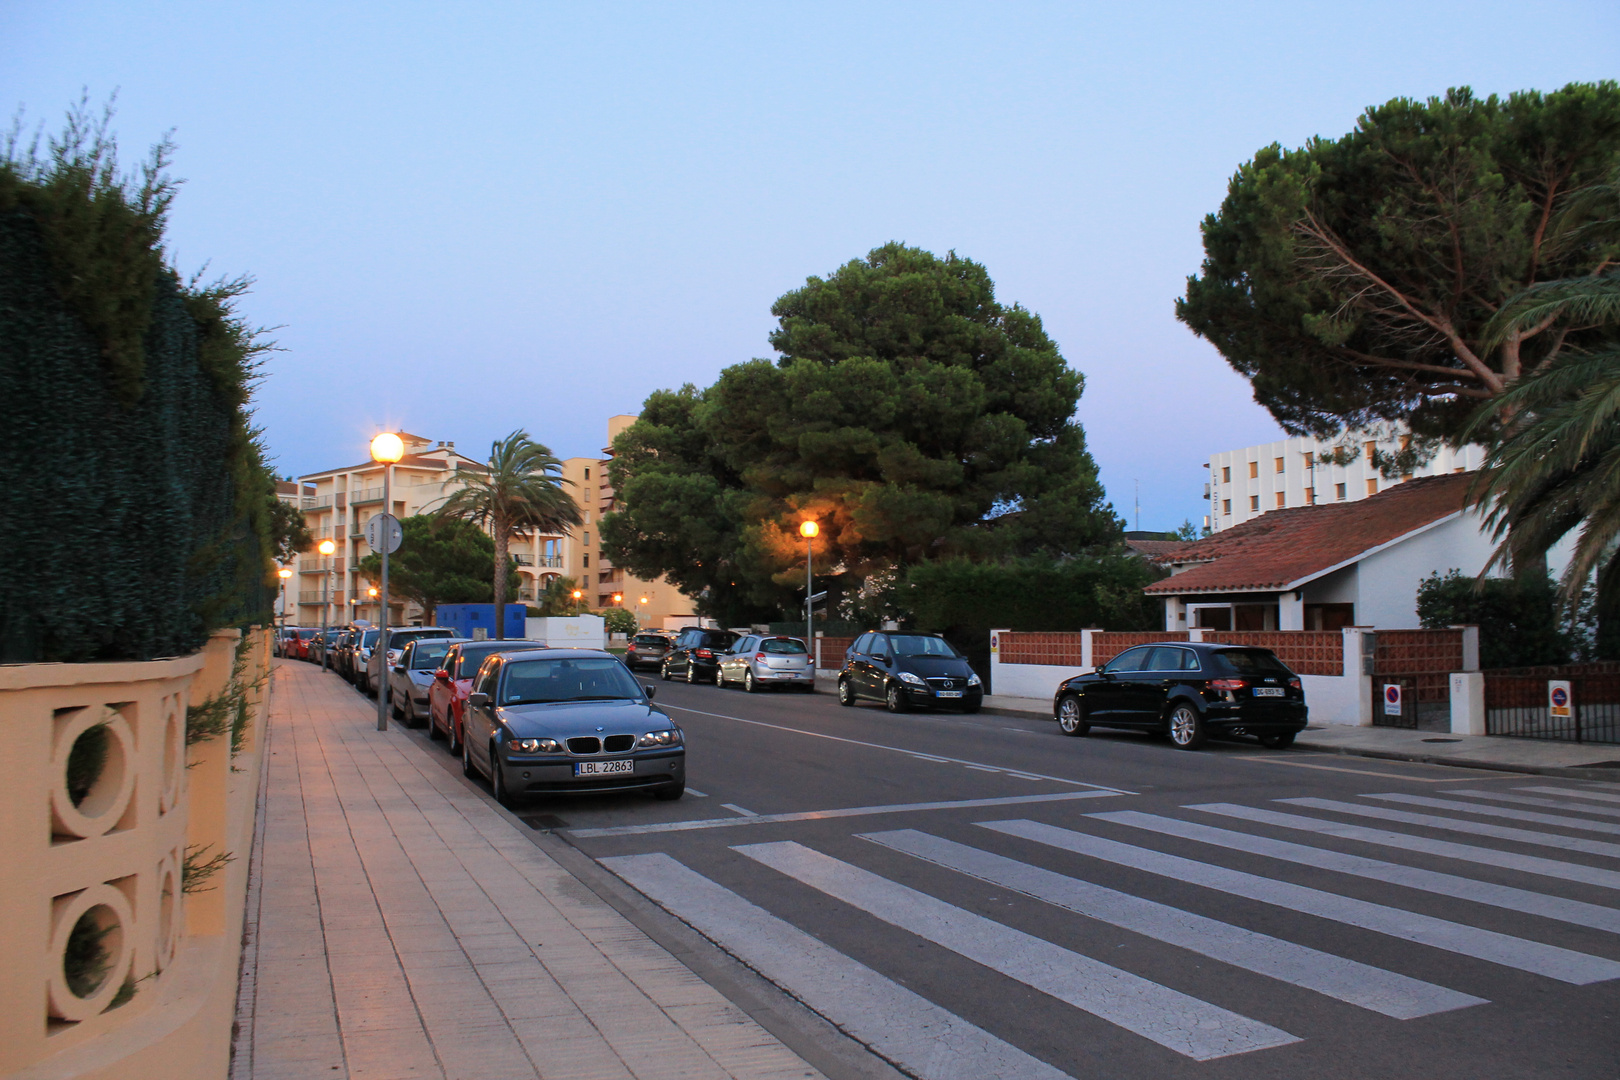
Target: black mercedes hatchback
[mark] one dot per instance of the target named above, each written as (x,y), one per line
(902,670)
(1189,691)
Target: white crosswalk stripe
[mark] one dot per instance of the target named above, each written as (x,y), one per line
(1562,821)
(1172,1019)
(1510,860)
(1549,960)
(1531,800)
(1347,980)
(1475,828)
(926,1040)
(1576,793)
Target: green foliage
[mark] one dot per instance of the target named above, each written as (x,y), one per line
(913,415)
(1518,620)
(1353,280)
(441,561)
(520,489)
(226,713)
(1188,531)
(86,958)
(1037,593)
(197,869)
(289,535)
(86,760)
(619,620)
(557,601)
(134,450)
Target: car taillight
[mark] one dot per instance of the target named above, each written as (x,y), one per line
(1227,684)
(759,656)
(705,653)
(1295,683)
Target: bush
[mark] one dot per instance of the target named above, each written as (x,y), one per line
(1034,594)
(1518,622)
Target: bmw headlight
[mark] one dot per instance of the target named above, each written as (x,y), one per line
(973,679)
(535,746)
(914,680)
(660,738)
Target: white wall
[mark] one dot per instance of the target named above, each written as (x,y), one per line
(1028,680)
(1388,580)
(572,632)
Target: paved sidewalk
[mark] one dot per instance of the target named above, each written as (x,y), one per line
(1587,760)
(399,926)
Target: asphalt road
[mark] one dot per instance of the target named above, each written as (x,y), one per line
(977,896)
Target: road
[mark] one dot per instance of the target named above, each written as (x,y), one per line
(977,896)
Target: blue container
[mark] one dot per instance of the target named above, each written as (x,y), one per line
(465,618)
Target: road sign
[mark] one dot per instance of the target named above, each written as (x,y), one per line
(1392,699)
(1559,706)
(383,533)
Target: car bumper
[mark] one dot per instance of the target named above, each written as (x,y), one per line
(768,676)
(925,696)
(1245,719)
(546,774)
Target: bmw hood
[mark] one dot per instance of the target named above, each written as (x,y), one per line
(565,719)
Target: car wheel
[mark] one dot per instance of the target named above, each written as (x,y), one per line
(468,769)
(749,684)
(1071,716)
(691,673)
(894,699)
(394,709)
(846,693)
(1281,741)
(452,736)
(434,731)
(669,792)
(663,671)
(1187,727)
(497,780)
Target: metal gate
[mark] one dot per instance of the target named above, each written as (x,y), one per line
(1418,663)
(1522,706)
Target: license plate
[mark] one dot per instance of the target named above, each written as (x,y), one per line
(1268,691)
(603,768)
(950,693)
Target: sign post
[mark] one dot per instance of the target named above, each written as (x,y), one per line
(1392,699)
(386,449)
(1560,701)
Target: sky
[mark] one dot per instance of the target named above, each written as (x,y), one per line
(464,219)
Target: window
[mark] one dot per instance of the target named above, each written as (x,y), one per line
(587,536)
(1310,459)
(571,679)
(1254,503)
(1372,486)
(1372,450)
(1226,474)
(1129,660)
(1340,492)
(1279,465)
(486,676)
(921,645)
(1226,507)
(862,643)
(1173,660)
(1282,500)
(782,646)
(1310,496)
(1254,469)
(587,472)
(586,560)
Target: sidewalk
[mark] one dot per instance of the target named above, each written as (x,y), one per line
(1591,761)
(399,926)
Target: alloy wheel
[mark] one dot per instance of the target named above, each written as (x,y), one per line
(1186,727)
(846,693)
(748,682)
(1071,718)
(691,673)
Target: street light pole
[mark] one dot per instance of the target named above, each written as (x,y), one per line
(326,549)
(386,448)
(808,530)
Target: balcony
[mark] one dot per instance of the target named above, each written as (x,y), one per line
(310,596)
(523,560)
(369,495)
(320,566)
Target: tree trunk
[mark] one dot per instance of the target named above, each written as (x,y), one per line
(500,580)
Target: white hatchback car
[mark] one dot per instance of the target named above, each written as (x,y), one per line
(761,660)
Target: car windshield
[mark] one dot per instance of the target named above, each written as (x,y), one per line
(921,645)
(307,634)
(571,678)
(369,641)
(782,645)
(428,656)
(649,639)
(1253,662)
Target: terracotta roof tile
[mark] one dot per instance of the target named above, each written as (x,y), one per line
(1284,546)
(1159,548)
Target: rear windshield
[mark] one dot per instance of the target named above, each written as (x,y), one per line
(1252,662)
(718,639)
(307,634)
(921,645)
(428,656)
(650,639)
(567,679)
(782,645)
(472,658)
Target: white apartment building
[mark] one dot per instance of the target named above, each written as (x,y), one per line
(1244,484)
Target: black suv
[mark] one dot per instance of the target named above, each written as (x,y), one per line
(903,669)
(696,654)
(1189,691)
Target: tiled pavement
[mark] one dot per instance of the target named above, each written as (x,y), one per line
(399,926)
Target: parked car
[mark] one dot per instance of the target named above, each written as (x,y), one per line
(320,646)
(447,696)
(372,676)
(341,649)
(556,721)
(286,641)
(410,680)
(646,650)
(359,656)
(1189,691)
(302,636)
(904,670)
(695,655)
(758,661)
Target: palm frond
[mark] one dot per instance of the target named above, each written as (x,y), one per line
(1582,301)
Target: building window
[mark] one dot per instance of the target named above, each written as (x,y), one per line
(1310,496)
(1226,507)
(1254,469)
(1254,503)
(1340,493)
(1281,500)
(587,558)
(1279,464)
(1310,459)
(587,536)
(1226,474)
(587,472)
(1372,450)
(1372,486)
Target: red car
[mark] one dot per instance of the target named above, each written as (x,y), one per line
(300,643)
(453,682)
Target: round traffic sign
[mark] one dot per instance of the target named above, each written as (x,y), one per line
(383,533)
(1560,696)
(1392,693)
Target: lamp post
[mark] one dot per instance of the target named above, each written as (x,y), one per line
(386,449)
(579,595)
(808,530)
(283,574)
(326,547)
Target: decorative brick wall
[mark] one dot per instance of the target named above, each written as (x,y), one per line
(1061,650)
(1105,646)
(1307,652)
(832,652)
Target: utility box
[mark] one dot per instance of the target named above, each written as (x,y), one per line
(478,620)
(570,632)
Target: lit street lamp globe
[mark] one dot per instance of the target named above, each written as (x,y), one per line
(809,529)
(387,448)
(284,573)
(326,547)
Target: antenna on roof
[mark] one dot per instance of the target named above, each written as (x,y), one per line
(1138,506)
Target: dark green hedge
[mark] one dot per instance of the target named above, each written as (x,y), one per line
(1034,594)
(134,504)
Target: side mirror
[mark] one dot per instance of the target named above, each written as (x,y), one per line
(880,658)
(652,691)
(400,668)
(478,701)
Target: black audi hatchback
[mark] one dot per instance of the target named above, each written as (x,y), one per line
(1190,691)
(902,670)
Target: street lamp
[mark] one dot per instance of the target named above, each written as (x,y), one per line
(386,449)
(618,598)
(809,530)
(578,596)
(283,574)
(326,548)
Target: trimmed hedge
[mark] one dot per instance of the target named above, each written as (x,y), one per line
(1034,594)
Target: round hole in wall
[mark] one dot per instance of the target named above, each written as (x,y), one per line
(94,765)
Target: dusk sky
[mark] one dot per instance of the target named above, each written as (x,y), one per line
(470,218)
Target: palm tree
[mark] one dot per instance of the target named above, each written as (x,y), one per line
(520,489)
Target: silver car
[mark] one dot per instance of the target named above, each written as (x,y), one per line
(761,660)
(375,671)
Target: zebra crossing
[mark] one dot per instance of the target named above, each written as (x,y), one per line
(1285,953)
